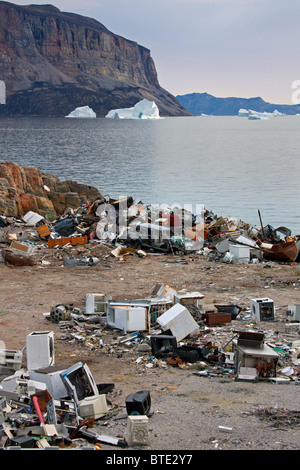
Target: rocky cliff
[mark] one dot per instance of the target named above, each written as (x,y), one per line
(24,189)
(52,62)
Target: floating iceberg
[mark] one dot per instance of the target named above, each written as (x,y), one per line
(144,109)
(251,114)
(256,115)
(243,112)
(82,112)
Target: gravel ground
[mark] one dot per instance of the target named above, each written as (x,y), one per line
(187,409)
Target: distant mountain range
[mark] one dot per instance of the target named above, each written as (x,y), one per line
(203,103)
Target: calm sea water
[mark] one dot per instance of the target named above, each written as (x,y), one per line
(231,165)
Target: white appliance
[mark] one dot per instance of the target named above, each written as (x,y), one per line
(241,254)
(93,407)
(127,318)
(262,309)
(40,349)
(293,312)
(179,320)
(51,377)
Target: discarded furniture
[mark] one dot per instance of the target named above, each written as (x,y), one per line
(63,241)
(252,352)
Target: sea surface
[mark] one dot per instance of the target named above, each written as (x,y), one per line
(231,165)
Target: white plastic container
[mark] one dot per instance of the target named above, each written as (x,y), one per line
(137,431)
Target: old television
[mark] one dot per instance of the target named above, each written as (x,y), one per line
(138,403)
(79,382)
(93,407)
(163,345)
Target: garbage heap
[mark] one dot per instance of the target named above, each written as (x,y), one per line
(177,328)
(132,227)
(45,405)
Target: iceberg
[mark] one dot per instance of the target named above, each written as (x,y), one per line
(82,112)
(144,109)
(251,114)
(256,115)
(243,112)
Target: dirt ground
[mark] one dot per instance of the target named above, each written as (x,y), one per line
(187,409)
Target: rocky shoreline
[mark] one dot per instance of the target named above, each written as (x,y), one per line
(24,189)
(215,409)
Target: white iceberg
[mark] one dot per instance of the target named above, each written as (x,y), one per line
(256,115)
(251,114)
(82,112)
(144,109)
(243,112)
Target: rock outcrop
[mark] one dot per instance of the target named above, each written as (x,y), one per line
(25,188)
(53,62)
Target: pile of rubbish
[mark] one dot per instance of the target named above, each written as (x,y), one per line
(45,405)
(129,226)
(176,327)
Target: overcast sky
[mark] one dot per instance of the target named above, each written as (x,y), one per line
(243,48)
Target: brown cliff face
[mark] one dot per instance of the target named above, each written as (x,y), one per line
(25,188)
(53,62)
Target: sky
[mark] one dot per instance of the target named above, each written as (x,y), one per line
(241,48)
